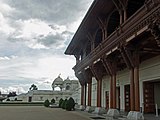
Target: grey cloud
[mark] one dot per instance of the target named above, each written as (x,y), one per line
(58,11)
(54,41)
(51,40)
(67,33)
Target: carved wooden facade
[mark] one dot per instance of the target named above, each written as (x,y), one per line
(116,35)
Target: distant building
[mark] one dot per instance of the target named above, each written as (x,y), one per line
(67,88)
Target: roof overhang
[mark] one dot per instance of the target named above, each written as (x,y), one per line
(88,25)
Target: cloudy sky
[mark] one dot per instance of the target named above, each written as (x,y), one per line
(33,37)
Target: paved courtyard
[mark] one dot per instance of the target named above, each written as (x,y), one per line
(38,113)
(43,113)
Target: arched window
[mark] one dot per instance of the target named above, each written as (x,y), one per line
(113,23)
(67,87)
(98,38)
(133,6)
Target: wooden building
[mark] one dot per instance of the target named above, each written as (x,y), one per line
(118,44)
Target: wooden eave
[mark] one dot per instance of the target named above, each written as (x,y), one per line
(135,26)
(88,24)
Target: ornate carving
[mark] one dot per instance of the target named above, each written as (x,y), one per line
(155,30)
(80,78)
(129,29)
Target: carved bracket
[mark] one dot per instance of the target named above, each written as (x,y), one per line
(131,58)
(109,66)
(155,30)
(87,75)
(96,71)
(106,66)
(80,78)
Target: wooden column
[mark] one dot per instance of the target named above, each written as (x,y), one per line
(85,94)
(82,94)
(89,93)
(136,84)
(132,100)
(114,91)
(97,73)
(136,81)
(111,70)
(88,77)
(111,92)
(99,92)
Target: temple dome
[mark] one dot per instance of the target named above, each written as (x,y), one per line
(67,80)
(58,79)
(58,82)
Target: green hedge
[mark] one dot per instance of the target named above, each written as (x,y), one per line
(63,106)
(60,102)
(46,103)
(70,104)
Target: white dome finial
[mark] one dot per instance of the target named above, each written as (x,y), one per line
(59,75)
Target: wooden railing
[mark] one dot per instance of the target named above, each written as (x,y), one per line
(142,18)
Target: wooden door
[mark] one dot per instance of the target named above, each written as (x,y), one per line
(30,99)
(148,92)
(127,97)
(107,100)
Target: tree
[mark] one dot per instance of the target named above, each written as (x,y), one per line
(63,105)
(46,103)
(70,104)
(12,94)
(33,87)
(60,102)
(53,101)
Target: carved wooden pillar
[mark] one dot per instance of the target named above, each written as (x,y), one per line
(111,70)
(114,91)
(111,92)
(136,82)
(132,100)
(98,95)
(99,92)
(97,73)
(88,79)
(85,94)
(82,81)
(82,94)
(130,64)
(89,93)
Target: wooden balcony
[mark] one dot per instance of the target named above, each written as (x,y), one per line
(132,27)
